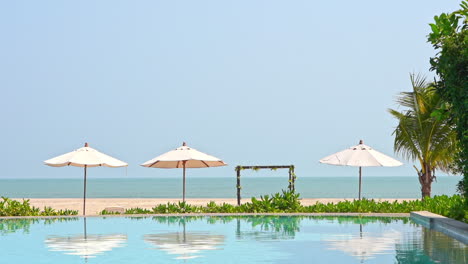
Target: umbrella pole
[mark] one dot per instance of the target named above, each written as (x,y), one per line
(85,232)
(360,171)
(84,192)
(184,234)
(183,184)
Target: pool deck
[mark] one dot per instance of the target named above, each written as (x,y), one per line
(96,205)
(448,226)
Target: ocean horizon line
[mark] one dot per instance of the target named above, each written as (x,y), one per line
(212,177)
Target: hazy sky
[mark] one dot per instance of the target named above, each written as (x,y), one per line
(251,82)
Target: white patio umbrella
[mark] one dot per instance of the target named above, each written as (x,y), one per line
(184,157)
(85,157)
(360,156)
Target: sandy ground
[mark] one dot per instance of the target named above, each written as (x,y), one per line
(96,205)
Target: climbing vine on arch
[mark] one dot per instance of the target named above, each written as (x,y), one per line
(291,180)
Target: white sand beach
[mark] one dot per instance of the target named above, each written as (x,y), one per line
(96,205)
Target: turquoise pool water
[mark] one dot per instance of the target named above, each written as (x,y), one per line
(259,239)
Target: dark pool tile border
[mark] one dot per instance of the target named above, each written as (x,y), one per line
(218,214)
(448,226)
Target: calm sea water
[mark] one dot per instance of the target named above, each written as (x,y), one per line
(308,187)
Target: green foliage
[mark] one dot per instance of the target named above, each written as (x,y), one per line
(288,202)
(423,136)
(105,212)
(452,207)
(136,210)
(449,37)
(10,207)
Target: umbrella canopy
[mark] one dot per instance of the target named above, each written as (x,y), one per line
(360,156)
(85,157)
(184,157)
(176,158)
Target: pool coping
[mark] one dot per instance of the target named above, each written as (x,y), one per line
(451,227)
(217,214)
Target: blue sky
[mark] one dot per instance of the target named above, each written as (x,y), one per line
(251,82)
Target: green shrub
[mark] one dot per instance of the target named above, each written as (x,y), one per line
(105,212)
(289,202)
(449,206)
(136,210)
(10,207)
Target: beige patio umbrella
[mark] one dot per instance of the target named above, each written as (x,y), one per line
(360,156)
(184,157)
(85,157)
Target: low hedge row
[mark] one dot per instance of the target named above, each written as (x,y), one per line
(285,202)
(288,202)
(9,207)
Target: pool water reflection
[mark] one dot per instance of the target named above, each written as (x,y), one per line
(227,239)
(364,245)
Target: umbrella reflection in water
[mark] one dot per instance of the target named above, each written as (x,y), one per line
(86,246)
(364,246)
(187,245)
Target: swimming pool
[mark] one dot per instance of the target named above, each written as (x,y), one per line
(225,239)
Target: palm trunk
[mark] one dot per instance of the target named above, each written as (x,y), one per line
(426,188)
(425,178)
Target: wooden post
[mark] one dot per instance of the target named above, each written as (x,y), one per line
(290,186)
(293,176)
(238,169)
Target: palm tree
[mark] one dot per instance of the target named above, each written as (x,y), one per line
(423,136)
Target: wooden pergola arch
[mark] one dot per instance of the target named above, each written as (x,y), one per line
(292,176)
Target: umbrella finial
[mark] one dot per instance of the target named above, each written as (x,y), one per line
(361,142)
(184,144)
(86,144)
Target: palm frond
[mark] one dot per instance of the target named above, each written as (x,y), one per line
(419,136)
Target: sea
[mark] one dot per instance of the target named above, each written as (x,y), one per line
(308,187)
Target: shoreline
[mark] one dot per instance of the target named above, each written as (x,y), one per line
(96,205)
